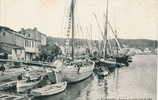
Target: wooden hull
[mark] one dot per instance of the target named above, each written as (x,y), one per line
(72,75)
(23,86)
(7,85)
(7,80)
(8,76)
(8,96)
(108,63)
(49,89)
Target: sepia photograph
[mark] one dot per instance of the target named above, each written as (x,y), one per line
(78,49)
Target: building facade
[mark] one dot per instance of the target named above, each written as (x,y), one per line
(23,45)
(34,40)
(12,43)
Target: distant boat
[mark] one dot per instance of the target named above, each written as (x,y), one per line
(74,68)
(108,48)
(110,54)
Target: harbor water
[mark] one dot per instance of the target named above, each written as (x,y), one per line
(137,81)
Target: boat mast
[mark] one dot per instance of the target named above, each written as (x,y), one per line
(105,32)
(117,48)
(116,37)
(72,16)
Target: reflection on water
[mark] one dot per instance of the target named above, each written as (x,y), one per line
(72,91)
(136,81)
(89,89)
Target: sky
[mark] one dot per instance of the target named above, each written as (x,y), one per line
(133,19)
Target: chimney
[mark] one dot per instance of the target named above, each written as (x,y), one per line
(35,29)
(22,31)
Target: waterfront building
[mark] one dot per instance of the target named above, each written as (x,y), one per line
(147,51)
(12,43)
(136,50)
(23,45)
(34,40)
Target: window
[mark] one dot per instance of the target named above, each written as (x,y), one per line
(15,51)
(32,43)
(26,43)
(3,33)
(29,43)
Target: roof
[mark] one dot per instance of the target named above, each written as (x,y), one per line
(11,31)
(6,28)
(33,30)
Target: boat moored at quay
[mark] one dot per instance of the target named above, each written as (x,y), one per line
(77,70)
(51,84)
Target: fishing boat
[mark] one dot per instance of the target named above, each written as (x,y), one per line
(75,68)
(49,89)
(110,55)
(9,77)
(8,96)
(28,80)
(52,84)
(104,61)
(24,85)
(101,70)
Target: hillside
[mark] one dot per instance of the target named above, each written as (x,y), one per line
(133,43)
(139,43)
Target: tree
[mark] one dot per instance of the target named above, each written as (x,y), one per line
(49,52)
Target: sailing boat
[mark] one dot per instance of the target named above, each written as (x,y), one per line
(108,60)
(104,62)
(75,68)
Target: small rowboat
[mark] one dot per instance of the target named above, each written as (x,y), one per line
(51,84)
(49,89)
(30,79)
(23,85)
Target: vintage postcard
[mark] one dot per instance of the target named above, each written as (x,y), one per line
(78,49)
